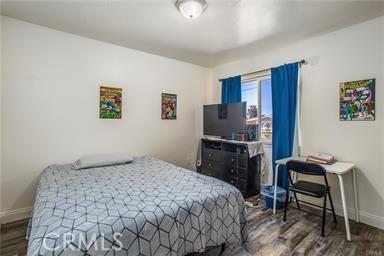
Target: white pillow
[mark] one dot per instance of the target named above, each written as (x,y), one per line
(101,160)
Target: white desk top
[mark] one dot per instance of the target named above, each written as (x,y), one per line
(336,168)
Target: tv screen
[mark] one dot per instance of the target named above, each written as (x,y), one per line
(225,119)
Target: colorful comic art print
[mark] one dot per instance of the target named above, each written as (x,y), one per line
(110,102)
(168,106)
(357,100)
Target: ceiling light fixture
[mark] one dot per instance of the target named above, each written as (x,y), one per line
(191,8)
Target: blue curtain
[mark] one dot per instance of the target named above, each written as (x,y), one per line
(284,100)
(231,90)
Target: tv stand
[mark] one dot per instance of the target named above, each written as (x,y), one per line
(230,161)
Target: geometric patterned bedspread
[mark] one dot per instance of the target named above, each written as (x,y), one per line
(146,207)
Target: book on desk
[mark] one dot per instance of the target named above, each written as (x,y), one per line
(321,158)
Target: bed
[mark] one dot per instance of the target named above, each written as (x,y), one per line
(146,207)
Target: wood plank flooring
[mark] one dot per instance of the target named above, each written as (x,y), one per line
(12,238)
(269,235)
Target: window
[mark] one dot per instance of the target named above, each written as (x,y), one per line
(258,95)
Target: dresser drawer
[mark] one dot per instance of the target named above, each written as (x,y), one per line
(231,180)
(210,164)
(242,162)
(212,154)
(212,168)
(242,185)
(231,172)
(239,184)
(211,173)
(236,161)
(230,159)
(242,173)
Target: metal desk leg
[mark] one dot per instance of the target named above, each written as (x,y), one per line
(357,214)
(345,211)
(275,192)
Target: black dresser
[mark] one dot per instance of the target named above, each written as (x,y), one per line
(229,161)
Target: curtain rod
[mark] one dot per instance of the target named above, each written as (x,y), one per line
(301,62)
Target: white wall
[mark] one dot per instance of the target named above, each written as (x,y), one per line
(50,108)
(349,54)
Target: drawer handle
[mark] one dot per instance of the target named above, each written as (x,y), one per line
(232,171)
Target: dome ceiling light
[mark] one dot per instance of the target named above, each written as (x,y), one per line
(191,8)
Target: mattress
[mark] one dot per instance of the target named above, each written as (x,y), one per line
(146,207)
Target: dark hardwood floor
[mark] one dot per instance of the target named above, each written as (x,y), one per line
(269,235)
(12,238)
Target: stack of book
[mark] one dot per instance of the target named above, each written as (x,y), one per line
(321,158)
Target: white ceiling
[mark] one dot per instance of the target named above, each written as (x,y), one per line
(228,30)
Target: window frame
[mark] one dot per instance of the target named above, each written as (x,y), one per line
(259,79)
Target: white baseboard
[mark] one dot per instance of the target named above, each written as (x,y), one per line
(14,215)
(372,220)
(367,218)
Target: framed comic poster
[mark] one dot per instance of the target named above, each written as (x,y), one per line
(357,100)
(110,102)
(168,106)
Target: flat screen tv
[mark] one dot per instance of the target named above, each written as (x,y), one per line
(225,119)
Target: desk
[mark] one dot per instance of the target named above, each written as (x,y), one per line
(337,168)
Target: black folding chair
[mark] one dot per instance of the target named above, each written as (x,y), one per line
(308,188)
